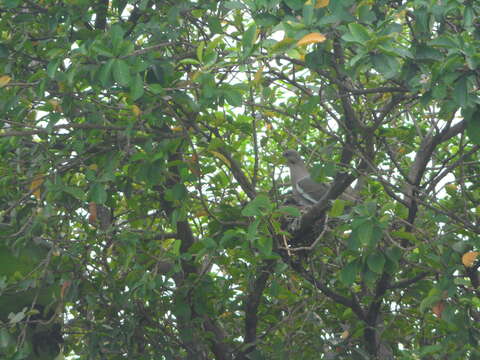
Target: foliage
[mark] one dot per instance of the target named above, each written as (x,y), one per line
(145,208)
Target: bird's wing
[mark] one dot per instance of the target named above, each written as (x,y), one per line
(311,190)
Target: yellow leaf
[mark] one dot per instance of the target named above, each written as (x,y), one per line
(176,128)
(311,38)
(468,259)
(283,45)
(321,4)
(93,167)
(269,113)
(221,157)
(37,181)
(4,80)
(258,75)
(136,110)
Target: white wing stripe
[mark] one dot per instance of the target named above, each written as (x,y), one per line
(304,194)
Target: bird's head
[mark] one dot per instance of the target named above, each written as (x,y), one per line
(292,157)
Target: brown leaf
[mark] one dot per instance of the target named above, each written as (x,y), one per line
(438,308)
(66,284)
(468,259)
(92,208)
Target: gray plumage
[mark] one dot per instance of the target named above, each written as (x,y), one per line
(305,190)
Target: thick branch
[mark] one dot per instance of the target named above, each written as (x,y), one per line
(101,8)
(407,282)
(239,175)
(219,348)
(251,305)
(38,131)
(370,333)
(422,158)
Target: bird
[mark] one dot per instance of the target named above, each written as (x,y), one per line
(307,191)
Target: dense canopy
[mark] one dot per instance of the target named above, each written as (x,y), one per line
(146,209)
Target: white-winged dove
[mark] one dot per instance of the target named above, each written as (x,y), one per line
(305,190)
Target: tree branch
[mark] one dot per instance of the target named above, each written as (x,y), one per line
(422,158)
(407,282)
(251,306)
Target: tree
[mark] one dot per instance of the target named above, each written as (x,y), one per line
(146,209)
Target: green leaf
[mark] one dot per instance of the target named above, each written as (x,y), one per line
(181,309)
(294,4)
(136,89)
(179,192)
(385,64)
(404,235)
(105,73)
(11,4)
(468,16)
(365,13)
(308,14)
(265,245)
(433,297)
(116,35)
(472,117)
(200,48)
(290,210)
(266,20)
(376,262)
(101,49)
(121,72)
(337,208)
(394,254)
(76,192)
(349,272)
(234,5)
(15,318)
(424,52)
(189,62)
(365,233)
(252,231)
(257,206)
(4,52)
(353,242)
(460,91)
(98,193)
(52,68)
(283,45)
(6,339)
(359,33)
(233,97)
(248,39)
(214,25)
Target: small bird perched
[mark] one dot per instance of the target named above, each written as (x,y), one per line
(305,190)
